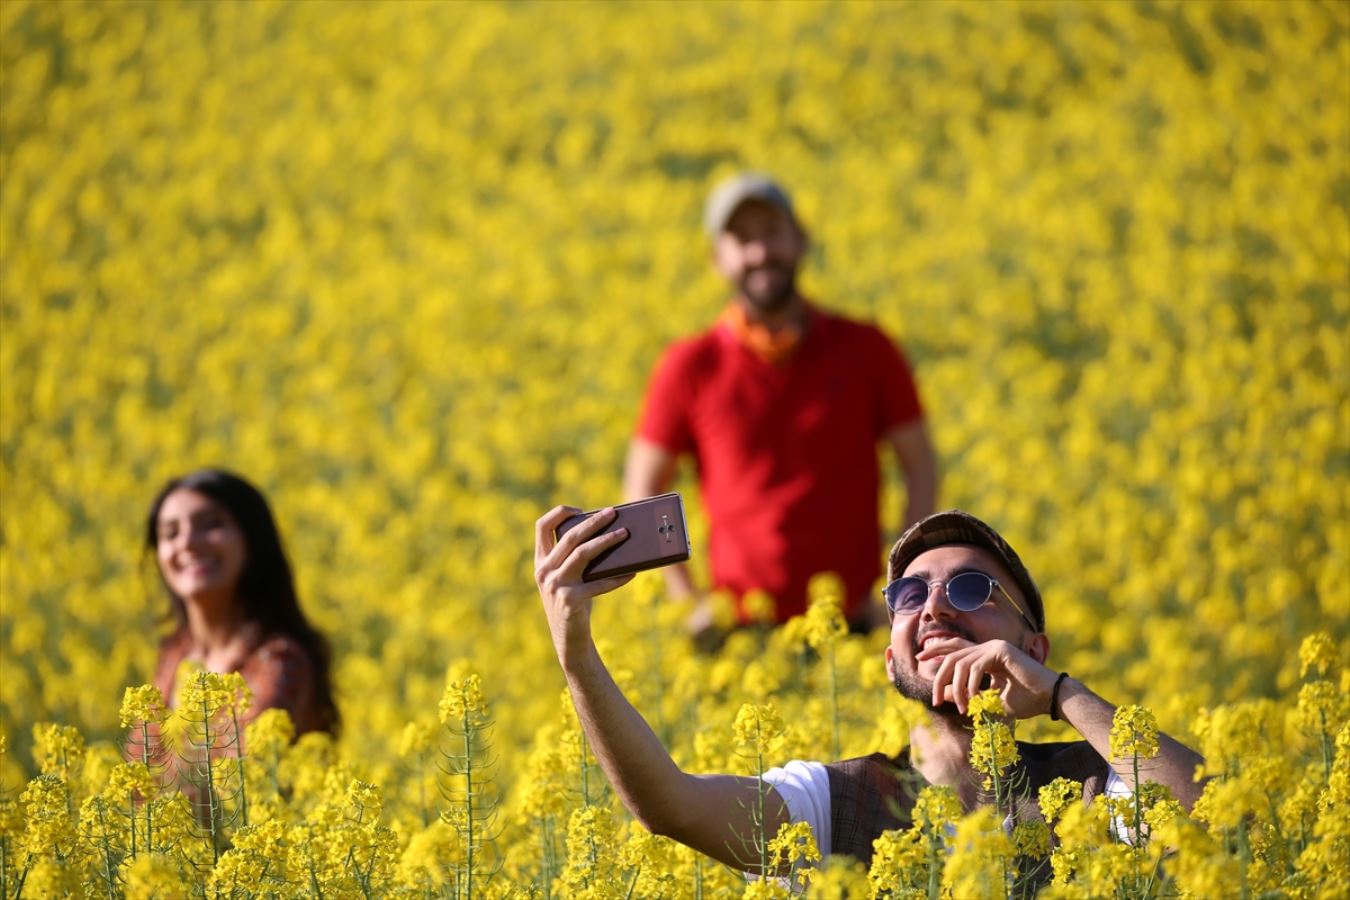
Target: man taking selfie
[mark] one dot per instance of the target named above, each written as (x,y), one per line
(964,612)
(781,404)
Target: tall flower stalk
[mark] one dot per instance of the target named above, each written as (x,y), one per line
(993,752)
(825,627)
(758,729)
(464,713)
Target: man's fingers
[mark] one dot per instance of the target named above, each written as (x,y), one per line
(544,528)
(587,529)
(605,585)
(974,678)
(944,647)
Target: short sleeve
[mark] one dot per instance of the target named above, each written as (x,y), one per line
(805,789)
(898,401)
(1117,789)
(665,409)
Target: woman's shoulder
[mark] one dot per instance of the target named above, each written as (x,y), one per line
(281,648)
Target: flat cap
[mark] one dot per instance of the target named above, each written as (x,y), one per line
(954,526)
(728,196)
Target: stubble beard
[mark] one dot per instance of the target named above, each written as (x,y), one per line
(778,298)
(912,685)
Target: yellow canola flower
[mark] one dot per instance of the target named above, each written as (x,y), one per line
(268,736)
(1054,798)
(992,747)
(899,858)
(758,727)
(54,878)
(1318,654)
(980,857)
(937,808)
(143,704)
(1321,709)
(825,623)
(592,850)
(1134,732)
(49,829)
(428,859)
(205,695)
(58,750)
(463,697)
(759,607)
(415,737)
(1031,839)
(794,845)
(129,781)
(152,876)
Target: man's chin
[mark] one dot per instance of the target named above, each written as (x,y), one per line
(770,298)
(916,688)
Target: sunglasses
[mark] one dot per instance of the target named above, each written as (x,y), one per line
(967,592)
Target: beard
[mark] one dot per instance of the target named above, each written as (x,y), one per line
(914,686)
(910,685)
(778,295)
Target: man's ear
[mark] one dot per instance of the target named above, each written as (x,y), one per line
(1038,647)
(803,238)
(890,664)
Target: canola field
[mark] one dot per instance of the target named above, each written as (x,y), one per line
(406,266)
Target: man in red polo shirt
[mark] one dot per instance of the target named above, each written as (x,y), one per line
(781,405)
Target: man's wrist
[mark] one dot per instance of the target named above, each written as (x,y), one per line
(1054,710)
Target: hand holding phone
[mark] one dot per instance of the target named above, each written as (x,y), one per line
(657,536)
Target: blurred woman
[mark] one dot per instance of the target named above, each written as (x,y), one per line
(233,600)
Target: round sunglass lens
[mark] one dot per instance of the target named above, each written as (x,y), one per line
(908,594)
(969,591)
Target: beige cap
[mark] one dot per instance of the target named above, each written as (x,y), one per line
(728,196)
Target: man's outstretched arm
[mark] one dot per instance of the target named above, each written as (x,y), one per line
(714,814)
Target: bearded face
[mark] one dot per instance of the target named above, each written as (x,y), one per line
(759,252)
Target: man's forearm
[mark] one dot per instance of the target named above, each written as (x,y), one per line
(713,814)
(631,755)
(1174,766)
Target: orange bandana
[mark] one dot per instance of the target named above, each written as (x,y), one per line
(773,345)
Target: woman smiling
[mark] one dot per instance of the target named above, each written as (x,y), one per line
(233,601)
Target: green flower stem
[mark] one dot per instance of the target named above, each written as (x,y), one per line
(468,802)
(213,806)
(934,862)
(145,760)
(834,704)
(131,817)
(550,856)
(109,878)
(239,766)
(585,773)
(1326,746)
(761,838)
(1138,809)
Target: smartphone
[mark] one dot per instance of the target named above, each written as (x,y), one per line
(657,537)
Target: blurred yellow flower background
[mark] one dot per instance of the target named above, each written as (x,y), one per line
(406,265)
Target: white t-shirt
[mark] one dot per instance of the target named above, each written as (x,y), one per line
(805,789)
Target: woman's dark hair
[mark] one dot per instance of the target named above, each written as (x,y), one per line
(266,587)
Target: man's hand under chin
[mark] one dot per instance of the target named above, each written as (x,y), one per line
(963,667)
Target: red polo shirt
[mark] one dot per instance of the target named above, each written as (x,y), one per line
(786,452)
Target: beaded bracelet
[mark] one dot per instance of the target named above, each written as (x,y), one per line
(1054,697)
